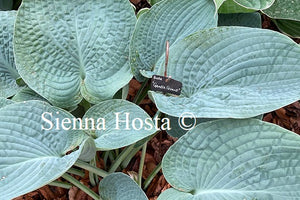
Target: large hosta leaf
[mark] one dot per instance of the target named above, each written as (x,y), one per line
(284,9)
(8,72)
(167,20)
(69,49)
(29,156)
(233,72)
(118,123)
(234,159)
(289,27)
(119,186)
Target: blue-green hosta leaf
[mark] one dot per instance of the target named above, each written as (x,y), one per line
(119,186)
(256,5)
(232,72)
(240,19)
(152,2)
(167,20)
(5,102)
(173,194)
(31,157)
(289,27)
(234,159)
(181,125)
(6,4)
(118,123)
(8,72)
(88,151)
(69,49)
(230,6)
(27,94)
(249,4)
(284,9)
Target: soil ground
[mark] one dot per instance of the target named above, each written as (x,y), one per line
(287,117)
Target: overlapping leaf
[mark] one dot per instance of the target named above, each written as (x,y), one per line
(26,94)
(167,20)
(8,72)
(289,27)
(233,72)
(69,49)
(234,159)
(31,157)
(284,9)
(255,5)
(152,2)
(120,186)
(88,151)
(230,6)
(117,123)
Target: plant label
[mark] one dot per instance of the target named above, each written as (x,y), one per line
(165,85)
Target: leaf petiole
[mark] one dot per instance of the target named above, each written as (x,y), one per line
(141,167)
(151,176)
(84,188)
(76,172)
(120,158)
(60,184)
(93,169)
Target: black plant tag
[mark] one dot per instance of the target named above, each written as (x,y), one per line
(165,85)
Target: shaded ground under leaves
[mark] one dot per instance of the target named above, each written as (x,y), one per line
(287,117)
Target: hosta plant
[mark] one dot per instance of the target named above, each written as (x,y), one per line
(65,67)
